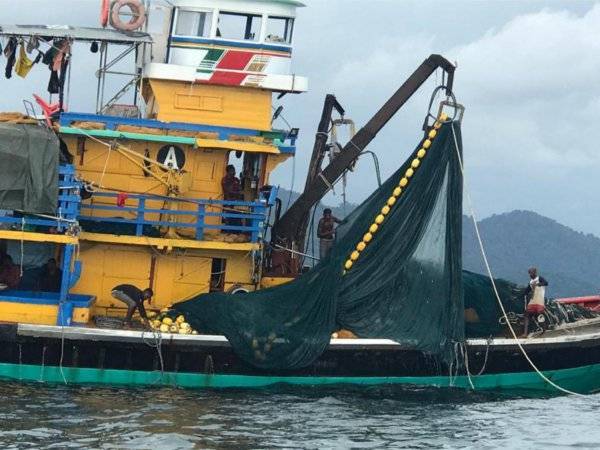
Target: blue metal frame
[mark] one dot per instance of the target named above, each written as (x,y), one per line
(252,221)
(67,213)
(112,122)
(68,204)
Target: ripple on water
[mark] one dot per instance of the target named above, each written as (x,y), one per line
(37,416)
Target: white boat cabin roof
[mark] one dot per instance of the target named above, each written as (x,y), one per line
(77,33)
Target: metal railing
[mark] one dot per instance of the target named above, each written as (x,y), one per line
(231,216)
(67,208)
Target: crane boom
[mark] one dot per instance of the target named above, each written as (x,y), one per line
(291,227)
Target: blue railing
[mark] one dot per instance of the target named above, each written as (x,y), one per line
(232,216)
(67,209)
(228,216)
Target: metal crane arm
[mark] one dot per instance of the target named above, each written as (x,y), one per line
(291,224)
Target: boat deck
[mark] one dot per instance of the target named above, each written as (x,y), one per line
(584,330)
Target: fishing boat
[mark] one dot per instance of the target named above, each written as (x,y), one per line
(134,193)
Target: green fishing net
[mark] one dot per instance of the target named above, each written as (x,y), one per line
(482,312)
(406,284)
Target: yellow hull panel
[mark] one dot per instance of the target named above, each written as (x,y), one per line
(38,314)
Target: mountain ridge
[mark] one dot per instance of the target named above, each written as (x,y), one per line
(518,239)
(515,241)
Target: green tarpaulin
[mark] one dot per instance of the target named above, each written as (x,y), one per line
(29,169)
(406,285)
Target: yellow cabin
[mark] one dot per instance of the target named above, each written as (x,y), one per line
(157,206)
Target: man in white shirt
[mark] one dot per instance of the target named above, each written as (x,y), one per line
(535,296)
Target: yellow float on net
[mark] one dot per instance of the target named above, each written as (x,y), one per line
(361,246)
(391,201)
(403,182)
(421,153)
(373,228)
(397,192)
(385,210)
(348,265)
(409,173)
(432,134)
(354,255)
(443,117)
(379,219)
(367,237)
(437,125)
(426,143)
(415,163)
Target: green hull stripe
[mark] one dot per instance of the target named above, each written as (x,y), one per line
(581,379)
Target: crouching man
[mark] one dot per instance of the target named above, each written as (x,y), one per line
(134,298)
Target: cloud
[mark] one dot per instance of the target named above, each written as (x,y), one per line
(530,89)
(527,75)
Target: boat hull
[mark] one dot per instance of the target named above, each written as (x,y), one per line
(35,353)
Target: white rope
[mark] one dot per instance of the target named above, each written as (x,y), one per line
(105,165)
(295,252)
(62,352)
(489,271)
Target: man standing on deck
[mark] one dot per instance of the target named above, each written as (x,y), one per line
(232,189)
(326,232)
(535,296)
(134,299)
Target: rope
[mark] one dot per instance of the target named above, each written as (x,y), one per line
(326,181)
(490,275)
(62,353)
(295,252)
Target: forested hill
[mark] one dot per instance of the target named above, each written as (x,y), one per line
(514,241)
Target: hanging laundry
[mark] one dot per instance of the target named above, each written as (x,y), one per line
(121,198)
(33,44)
(64,48)
(24,64)
(10,51)
(49,56)
(54,83)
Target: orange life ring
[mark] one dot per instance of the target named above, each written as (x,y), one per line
(104,13)
(138,12)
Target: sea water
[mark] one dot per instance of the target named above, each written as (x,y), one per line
(41,416)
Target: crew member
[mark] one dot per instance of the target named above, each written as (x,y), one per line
(232,190)
(134,299)
(535,296)
(326,232)
(231,185)
(10,273)
(51,278)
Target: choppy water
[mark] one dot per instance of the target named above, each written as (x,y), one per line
(38,416)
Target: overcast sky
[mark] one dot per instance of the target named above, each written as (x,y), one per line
(528,74)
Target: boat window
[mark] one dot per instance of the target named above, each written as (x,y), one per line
(243,27)
(193,23)
(279,29)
